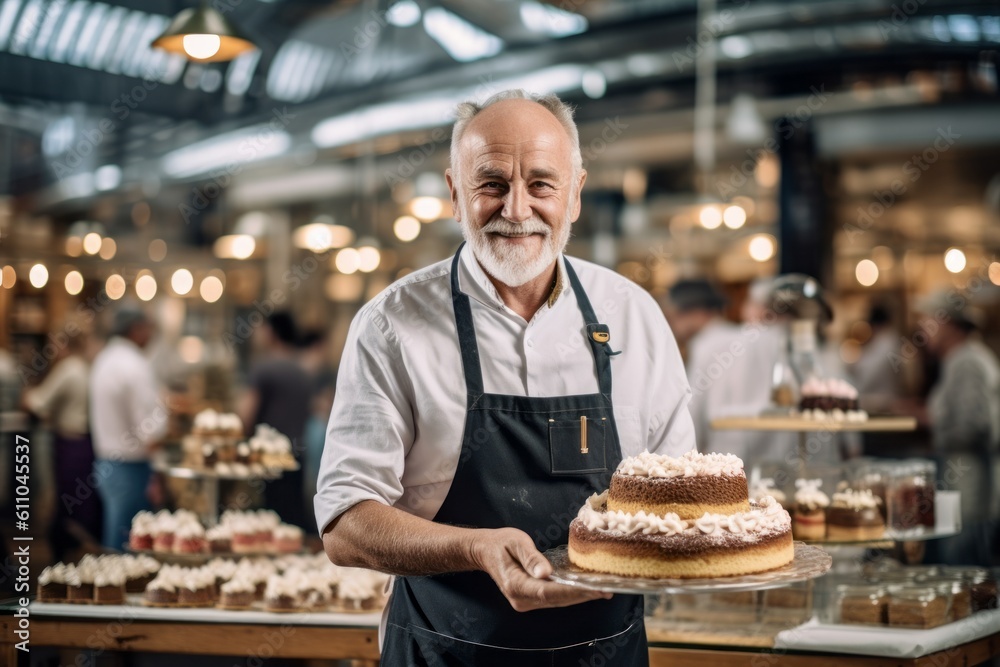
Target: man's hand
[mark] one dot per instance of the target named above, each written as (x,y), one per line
(509,556)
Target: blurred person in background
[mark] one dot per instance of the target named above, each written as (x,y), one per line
(279,394)
(694,312)
(61,401)
(315,359)
(963,415)
(127,420)
(874,375)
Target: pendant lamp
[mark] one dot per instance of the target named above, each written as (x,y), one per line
(203,35)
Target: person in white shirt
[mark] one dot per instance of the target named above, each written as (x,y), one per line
(61,401)
(127,419)
(455,452)
(963,414)
(694,312)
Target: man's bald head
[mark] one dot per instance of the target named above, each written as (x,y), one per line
(559,110)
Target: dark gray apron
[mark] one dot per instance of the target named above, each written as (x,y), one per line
(522,465)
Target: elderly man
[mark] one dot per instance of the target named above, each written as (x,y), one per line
(453,456)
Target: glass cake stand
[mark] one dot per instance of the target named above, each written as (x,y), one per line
(810,562)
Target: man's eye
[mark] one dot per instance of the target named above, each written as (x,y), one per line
(492,185)
(542,185)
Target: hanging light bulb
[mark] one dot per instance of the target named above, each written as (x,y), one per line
(203,35)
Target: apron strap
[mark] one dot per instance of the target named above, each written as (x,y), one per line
(600,349)
(466,334)
(470,349)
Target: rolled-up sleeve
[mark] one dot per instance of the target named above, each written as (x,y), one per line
(371,423)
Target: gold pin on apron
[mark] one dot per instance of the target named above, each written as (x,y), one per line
(583,435)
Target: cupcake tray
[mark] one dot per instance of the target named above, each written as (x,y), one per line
(809,562)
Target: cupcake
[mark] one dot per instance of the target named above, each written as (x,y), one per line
(237,593)
(78,590)
(854,515)
(809,517)
(52,584)
(206,422)
(281,594)
(230,425)
(357,591)
(109,586)
(161,591)
(287,539)
(243,453)
(313,594)
(163,534)
(189,538)
(194,589)
(244,540)
(140,537)
(209,457)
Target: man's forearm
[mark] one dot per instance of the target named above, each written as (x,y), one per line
(387,539)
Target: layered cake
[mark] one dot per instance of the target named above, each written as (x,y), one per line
(854,515)
(287,539)
(830,399)
(810,510)
(675,526)
(688,486)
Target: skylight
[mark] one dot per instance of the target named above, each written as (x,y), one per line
(463,41)
(94,35)
(551,21)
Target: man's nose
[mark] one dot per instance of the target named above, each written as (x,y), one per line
(516,206)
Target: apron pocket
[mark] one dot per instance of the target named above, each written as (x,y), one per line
(577,446)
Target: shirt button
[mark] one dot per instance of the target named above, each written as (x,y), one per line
(530,343)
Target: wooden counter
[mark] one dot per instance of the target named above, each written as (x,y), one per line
(361,645)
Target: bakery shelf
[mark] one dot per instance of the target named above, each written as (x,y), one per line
(800,424)
(183,472)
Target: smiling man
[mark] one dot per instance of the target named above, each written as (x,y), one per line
(475,413)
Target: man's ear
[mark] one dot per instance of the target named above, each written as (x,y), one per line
(575,204)
(453,192)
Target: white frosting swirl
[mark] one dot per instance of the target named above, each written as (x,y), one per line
(689,464)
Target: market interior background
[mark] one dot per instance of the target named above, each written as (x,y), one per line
(854,141)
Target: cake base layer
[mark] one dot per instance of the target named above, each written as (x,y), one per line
(676,556)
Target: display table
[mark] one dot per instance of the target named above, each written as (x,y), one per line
(319,636)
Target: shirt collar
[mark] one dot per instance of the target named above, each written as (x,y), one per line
(473,281)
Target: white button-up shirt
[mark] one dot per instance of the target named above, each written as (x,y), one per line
(395,432)
(126,413)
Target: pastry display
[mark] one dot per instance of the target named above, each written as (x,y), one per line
(809,522)
(682,543)
(854,515)
(830,400)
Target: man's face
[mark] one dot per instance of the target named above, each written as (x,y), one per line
(515,192)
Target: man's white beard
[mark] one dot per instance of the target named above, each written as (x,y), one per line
(515,264)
